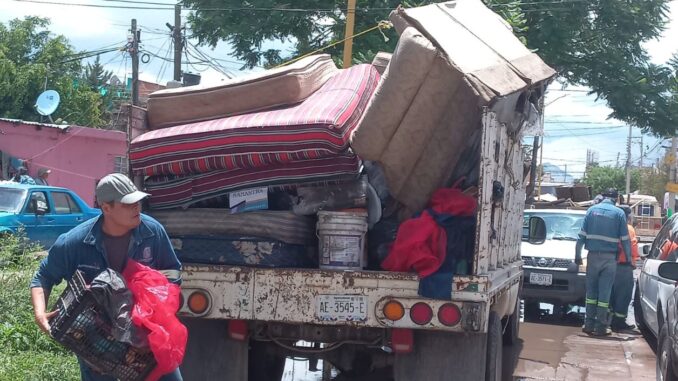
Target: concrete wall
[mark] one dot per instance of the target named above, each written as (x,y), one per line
(77,156)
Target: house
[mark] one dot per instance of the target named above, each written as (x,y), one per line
(78,156)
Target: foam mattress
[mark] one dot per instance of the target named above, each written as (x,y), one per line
(316,128)
(182,191)
(276,87)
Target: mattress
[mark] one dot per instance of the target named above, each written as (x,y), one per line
(244,251)
(280,226)
(318,127)
(183,191)
(276,87)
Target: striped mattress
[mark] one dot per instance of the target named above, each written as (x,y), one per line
(316,128)
(182,191)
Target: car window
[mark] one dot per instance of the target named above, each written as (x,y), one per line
(41,202)
(559,226)
(64,203)
(11,199)
(662,244)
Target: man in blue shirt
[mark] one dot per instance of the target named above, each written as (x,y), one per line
(121,232)
(603,230)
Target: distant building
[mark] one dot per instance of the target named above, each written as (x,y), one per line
(78,156)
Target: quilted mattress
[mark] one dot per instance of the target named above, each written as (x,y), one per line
(276,87)
(280,226)
(182,191)
(318,127)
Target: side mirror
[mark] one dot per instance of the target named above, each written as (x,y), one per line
(645,251)
(668,270)
(537,230)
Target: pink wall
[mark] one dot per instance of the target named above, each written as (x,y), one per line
(77,156)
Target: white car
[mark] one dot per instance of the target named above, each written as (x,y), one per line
(550,274)
(652,290)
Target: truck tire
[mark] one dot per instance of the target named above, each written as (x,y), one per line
(493,364)
(434,359)
(211,354)
(264,366)
(512,326)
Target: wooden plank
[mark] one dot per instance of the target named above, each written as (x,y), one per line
(483,246)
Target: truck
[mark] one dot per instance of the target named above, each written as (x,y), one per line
(244,321)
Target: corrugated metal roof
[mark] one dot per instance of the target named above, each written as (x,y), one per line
(47,125)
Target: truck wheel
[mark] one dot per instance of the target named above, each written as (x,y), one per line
(211,354)
(512,324)
(434,359)
(494,349)
(264,366)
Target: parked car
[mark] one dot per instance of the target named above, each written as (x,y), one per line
(652,289)
(550,273)
(667,345)
(44,212)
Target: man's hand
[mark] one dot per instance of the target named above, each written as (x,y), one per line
(578,261)
(43,320)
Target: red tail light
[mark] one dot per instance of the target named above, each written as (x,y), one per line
(402,340)
(421,313)
(237,330)
(449,314)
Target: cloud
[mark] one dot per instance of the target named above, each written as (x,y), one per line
(663,48)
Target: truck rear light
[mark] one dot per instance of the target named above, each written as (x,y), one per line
(449,314)
(393,310)
(198,302)
(237,330)
(421,313)
(402,340)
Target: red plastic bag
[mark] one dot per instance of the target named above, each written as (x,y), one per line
(421,243)
(156,302)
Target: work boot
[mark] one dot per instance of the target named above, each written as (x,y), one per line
(602,332)
(622,326)
(587,330)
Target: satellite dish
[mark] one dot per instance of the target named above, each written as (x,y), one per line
(47,102)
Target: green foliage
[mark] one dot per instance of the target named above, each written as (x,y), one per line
(594,43)
(31,55)
(27,353)
(602,178)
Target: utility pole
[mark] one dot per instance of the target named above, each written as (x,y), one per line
(533,171)
(348,34)
(641,151)
(628,164)
(135,63)
(178,43)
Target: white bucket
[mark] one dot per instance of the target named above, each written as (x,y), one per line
(341,237)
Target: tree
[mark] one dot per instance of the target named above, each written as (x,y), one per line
(32,59)
(95,76)
(594,43)
(602,178)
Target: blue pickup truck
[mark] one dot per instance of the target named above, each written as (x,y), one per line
(45,212)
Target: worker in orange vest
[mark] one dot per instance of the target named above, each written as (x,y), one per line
(622,290)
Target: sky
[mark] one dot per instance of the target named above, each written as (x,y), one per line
(575,122)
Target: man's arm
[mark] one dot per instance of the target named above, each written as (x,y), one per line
(52,271)
(168,263)
(624,237)
(40,298)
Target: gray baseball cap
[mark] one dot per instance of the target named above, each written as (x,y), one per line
(119,188)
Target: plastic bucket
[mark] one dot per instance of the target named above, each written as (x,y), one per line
(341,237)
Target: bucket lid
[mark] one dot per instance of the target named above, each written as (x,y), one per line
(358,212)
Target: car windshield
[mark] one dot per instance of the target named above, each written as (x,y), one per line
(559,226)
(11,199)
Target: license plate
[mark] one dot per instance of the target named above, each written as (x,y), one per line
(541,279)
(341,307)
